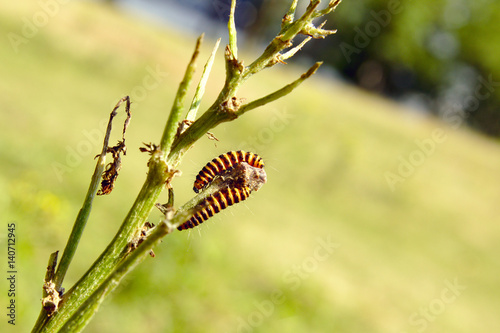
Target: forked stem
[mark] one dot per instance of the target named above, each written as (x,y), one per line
(82,300)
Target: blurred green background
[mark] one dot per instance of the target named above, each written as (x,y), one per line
(375,218)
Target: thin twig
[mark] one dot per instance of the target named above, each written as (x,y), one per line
(232,31)
(178,106)
(85,312)
(200,90)
(279,93)
(84,213)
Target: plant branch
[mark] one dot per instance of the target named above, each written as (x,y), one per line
(232,31)
(83,215)
(289,16)
(279,93)
(83,299)
(200,90)
(225,108)
(87,310)
(178,106)
(159,173)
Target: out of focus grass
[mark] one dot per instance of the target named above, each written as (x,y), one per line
(326,147)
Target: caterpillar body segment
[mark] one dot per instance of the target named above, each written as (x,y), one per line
(214,204)
(224,162)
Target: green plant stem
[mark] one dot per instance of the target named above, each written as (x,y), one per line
(51,268)
(211,118)
(216,115)
(109,268)
(282,41)
(158,174)
(178,106)
(279,93)
(290,15)
(86,311)
(83,215)
(200,89)
(232,31)
(140,210)
(80,223)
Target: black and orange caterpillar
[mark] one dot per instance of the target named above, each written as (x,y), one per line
(214,204)
(224,162)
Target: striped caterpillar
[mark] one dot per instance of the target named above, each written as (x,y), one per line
(229,187)
(214,204)
(222,163)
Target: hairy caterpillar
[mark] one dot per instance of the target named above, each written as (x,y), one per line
(214,204)
(224,162)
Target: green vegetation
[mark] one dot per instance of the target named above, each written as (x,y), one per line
(440,49)
(327,149)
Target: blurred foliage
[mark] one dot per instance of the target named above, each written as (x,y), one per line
(444,49)
(433,55)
